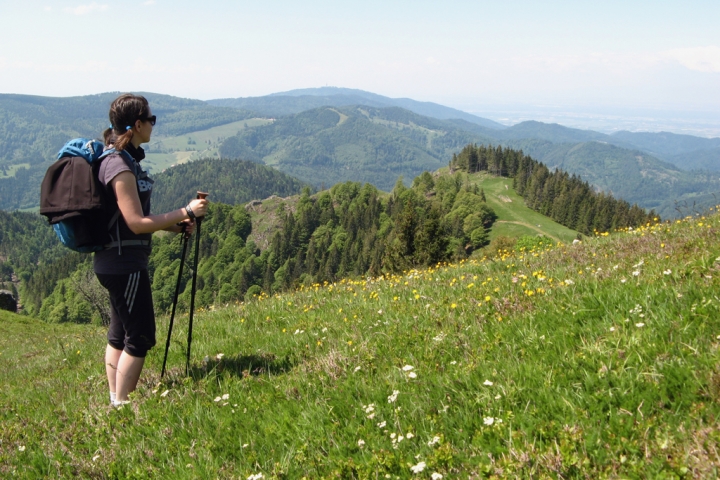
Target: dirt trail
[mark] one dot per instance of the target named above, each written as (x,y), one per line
(532,227)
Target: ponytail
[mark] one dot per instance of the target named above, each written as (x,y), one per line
(122,140)
(124,111)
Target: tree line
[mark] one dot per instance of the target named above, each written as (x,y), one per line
(565,198)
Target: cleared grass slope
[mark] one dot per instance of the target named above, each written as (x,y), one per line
(594,360)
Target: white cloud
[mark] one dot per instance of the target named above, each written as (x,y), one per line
(149,2)
(700,59)
(87,9)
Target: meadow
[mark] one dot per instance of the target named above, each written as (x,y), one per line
(514,218)
(591,360)
(167,151)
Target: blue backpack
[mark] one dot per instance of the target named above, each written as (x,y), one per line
(74,201)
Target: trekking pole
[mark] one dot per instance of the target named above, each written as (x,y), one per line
(198,221)
(185,239)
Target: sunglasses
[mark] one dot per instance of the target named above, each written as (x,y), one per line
(152,119)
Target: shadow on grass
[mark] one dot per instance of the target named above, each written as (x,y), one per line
(241,366)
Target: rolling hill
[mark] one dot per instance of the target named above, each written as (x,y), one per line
(296,101)
(354,141)
(364,144)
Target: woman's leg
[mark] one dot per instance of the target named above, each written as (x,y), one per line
(112,357)
(128,373)
(131,332)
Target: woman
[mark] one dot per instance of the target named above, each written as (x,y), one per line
(122,268)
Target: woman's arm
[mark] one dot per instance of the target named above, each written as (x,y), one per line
(125,186)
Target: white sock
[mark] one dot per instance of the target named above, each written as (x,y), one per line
(112,397)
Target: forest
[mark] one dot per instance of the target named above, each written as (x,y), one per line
(350,230)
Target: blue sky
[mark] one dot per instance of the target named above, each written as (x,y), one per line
(592,54)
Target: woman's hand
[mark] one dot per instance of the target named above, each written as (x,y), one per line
(199,207)
(187,226)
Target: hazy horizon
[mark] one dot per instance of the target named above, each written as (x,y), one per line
(581,62)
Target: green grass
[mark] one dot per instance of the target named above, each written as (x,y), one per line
(164,152)
(12,170)
(597,360)
(514,218)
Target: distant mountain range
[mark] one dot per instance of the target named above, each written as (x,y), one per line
(296,101)
(329,135)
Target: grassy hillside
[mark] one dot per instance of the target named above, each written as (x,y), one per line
(585,361)
(514,218)
(164,152)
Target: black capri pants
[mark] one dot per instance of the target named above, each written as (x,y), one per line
(132,319)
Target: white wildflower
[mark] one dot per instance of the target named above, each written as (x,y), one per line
(94,459)
(640,325)
(356,369)
(400,438)
(165,393)
(433,441)
(453,362)
(667,272)
(412,375)
(488,383)
(569,282)
(257,476)
(21,448)
(409,435)
(623,280)
(612,329)
(369,408)
(488,420)
(380,312)
(361,442)
(217,399)
(440,337)
(436,476)
(226,396)
(498,397)
(636,273)
(382,424)
(418,468)
(219,356)
(393,397)
(407,368)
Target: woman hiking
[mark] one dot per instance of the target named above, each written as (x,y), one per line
(122,268)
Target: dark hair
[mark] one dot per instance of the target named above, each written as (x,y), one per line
(124,111)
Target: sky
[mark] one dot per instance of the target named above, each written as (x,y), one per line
(507,59)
